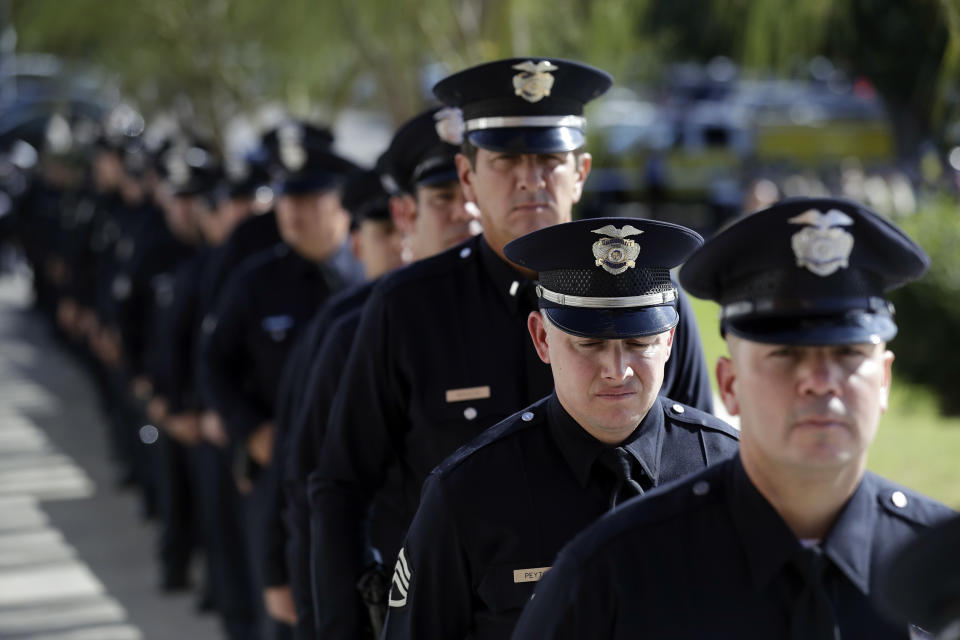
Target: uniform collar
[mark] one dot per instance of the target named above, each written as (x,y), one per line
(768,542)
(339,270)
(581,450)
(516,291)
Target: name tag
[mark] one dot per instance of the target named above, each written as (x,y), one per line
(468,393)
(529,575)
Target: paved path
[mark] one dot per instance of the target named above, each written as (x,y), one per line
(76,561)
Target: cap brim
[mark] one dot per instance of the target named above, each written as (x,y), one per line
(856,327)
(300,185)
(613,324)
(440,177)
(528,139)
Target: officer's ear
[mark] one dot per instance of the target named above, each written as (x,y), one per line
(403,212)
(726,373)
(537,326)
(466,174)
(887,359)
(584,162)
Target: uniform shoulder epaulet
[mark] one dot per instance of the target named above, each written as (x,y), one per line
(440,265)
(905,503)
(531,416)
(680,412)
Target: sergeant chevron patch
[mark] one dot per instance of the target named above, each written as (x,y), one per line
(401,581)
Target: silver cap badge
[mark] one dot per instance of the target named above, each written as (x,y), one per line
(534,81)
(616,253)
(449,125)
(292,154)
(823,247)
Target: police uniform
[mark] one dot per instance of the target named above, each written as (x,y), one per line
(710,556)
(262,309)
(921,585)
(442,352)
(494,515)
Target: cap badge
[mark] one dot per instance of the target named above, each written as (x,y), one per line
(534,81)
(449,125)
(292,154)
(616,253)
(822,248)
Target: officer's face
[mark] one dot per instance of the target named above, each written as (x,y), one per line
(607,386)
(805,407)
(519,193)
(442,220)
(378,245)
(310,222)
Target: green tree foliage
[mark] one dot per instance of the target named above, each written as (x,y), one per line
(928,311)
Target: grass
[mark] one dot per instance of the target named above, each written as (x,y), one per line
(916,446)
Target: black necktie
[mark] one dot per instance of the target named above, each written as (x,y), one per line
(617,461)
(813,617)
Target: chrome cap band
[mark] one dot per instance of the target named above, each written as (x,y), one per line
(505,122)
(649,300)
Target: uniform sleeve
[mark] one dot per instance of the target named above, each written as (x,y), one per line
(274,559)
(686,376)
(366,422)
(432,588)
(176,335)
(226,362)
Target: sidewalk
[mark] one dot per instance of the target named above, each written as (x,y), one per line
(76,561)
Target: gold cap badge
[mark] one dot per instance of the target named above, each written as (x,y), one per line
(534,81)
(616,253)
(822,248)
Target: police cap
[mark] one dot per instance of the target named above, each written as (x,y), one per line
(607,278)
(806,271)
(191,168)
(365,198)
(304,161)
(422,151)
(524,105)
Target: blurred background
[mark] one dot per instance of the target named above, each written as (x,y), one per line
(719,108)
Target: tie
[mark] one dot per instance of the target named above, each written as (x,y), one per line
(813,617)
(617,461)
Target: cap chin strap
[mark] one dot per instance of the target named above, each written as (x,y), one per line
(587,302)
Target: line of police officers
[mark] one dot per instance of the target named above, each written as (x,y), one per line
(387,398)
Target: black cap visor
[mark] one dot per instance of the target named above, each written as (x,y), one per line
(853,327)
(529,139)
(302,184)
(439,177)
(613,324)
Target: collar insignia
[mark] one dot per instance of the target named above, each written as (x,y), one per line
(292,154)
(534,81)
(449,125)
(616,253)
(823,247)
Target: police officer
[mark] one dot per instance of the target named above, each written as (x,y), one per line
(494,515)
(784,540)
(921,585)
(265,305)
(377,244)
(442,351)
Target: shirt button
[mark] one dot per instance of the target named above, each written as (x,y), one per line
(899,499)
(527,416)
(465,252)
(677,408)
(701,488)
(469,413)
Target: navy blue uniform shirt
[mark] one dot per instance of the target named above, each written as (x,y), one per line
(258,316)
(723,551)
(442,353)
(494,515)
